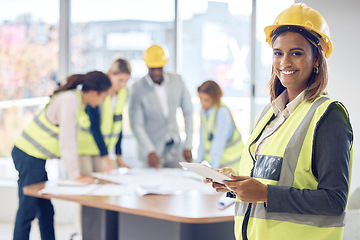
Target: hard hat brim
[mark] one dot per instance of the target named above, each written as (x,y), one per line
(157,64)
(325,42)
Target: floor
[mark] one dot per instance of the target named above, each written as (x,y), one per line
(63,232)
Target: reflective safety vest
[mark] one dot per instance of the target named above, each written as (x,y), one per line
(286,160)
(40,138)
(233,149)
(110,126)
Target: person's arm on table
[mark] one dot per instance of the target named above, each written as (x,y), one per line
(68,137)
(187,109)
(94,116)
(224,129)
(201,150)
(118,151)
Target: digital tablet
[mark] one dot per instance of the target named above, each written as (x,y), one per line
(205,171)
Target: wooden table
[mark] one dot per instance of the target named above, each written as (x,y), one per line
(152,217)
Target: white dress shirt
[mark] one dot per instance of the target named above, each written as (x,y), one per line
(161,92)
(282,112)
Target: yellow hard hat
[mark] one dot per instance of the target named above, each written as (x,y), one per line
(301,15)
(156,56)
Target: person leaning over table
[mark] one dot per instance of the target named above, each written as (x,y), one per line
(101,126)
(153,105)
(53,134)
(220,141)
(295,173)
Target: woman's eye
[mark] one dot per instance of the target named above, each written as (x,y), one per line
(277,53)
(296,53)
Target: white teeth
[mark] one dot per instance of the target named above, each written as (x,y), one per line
(287,72)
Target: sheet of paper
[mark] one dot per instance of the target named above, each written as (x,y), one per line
(167,180)
(68,190)
(139,181)
(92,189)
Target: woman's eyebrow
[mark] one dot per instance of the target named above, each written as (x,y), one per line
(292,49)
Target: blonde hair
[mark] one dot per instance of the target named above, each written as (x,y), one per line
(316,84)
(120,65)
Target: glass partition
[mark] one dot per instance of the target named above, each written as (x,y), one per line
(110,29)
(216,41)
(28,69)
(266,14)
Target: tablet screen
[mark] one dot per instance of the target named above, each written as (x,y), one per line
(205,171)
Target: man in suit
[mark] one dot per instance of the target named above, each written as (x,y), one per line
(152,110)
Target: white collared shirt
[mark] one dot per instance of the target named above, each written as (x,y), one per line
(282,112)
(161,92)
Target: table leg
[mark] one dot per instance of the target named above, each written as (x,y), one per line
(99,224)
(138,227)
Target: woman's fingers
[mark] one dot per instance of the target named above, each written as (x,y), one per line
(247,189)
(219,187)
(85,179)
(207,180)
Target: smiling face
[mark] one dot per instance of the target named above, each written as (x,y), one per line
(293,62)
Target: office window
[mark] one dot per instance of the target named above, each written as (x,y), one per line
(29,63)
(105,30)
(216,42)
(266,14)
(110,29)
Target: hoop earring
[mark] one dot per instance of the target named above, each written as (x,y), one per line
(316,70)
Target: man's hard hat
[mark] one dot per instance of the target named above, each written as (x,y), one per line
(156,56)
(299,14)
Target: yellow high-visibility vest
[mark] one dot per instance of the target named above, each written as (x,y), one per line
(110,126)
(286,160)
(233,149)
(40,138)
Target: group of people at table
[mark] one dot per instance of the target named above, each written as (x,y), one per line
(291,179)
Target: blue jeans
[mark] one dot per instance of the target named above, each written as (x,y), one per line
(32,170)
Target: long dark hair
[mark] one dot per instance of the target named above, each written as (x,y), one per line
(318,80)
(95,80)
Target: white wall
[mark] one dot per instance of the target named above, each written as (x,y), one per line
(65,212)
(344,82)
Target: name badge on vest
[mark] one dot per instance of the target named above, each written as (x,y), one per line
(210,137)
(118,118)
(268,167)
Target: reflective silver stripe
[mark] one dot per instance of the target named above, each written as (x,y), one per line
(291,155)
(104,135)
(45,128)
(38,146)
(228,164)
(294,146)
(240,209)
(85,129)
(262,114)
(258,211)
(111,135)
(230,144)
